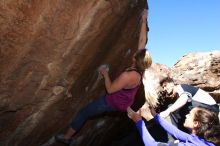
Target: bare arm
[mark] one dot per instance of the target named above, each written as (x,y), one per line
(181,101)
(121,82)
(143,31)
(136,117)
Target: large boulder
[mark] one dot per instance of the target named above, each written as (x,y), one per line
(200,69)
(49,54)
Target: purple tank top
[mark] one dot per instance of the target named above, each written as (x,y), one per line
(122,99)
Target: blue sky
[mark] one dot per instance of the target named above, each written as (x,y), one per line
(178,27)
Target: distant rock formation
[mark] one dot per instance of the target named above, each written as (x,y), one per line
(200,69)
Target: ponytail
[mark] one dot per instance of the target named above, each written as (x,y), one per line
(213,134)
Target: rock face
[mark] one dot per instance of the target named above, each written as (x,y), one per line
(49,54)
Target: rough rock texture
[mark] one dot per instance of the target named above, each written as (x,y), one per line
(49,54)
(201,70)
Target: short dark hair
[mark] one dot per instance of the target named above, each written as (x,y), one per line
(166,79)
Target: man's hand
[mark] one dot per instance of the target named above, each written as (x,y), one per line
(135,116)
(165,113)
(146,112)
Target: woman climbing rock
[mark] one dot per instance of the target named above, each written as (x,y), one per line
(120,92)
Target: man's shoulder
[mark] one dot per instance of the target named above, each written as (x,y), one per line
(188,87)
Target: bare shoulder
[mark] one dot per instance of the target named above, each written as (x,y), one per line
(131,74)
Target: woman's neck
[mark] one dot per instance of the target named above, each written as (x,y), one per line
(193,132)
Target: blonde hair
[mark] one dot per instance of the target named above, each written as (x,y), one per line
(151,95)
(143,60)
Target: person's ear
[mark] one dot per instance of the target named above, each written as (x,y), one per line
(195,124)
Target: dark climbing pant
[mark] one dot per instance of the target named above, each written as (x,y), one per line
(97,107)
